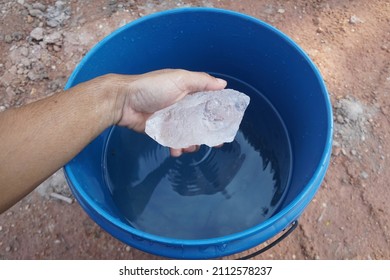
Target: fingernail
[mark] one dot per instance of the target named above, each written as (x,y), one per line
(221,81)
(190,149)
(175,153)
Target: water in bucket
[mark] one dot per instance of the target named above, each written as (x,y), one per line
(211,193)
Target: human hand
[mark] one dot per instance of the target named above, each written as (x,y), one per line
(142,95)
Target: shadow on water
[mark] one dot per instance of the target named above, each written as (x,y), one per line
(206,172)
(269,157)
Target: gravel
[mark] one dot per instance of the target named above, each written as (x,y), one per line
(37,34)
(54,38)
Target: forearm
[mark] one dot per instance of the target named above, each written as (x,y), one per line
(39,138)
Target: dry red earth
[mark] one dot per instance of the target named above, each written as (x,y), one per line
(348,40)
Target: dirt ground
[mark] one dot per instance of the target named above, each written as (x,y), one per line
(42,41)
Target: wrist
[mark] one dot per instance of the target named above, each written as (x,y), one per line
(119,89)
(102,100)
(111,98)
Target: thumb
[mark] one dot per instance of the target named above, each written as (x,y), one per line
(200,81)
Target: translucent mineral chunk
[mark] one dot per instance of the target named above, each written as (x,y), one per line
(210,118)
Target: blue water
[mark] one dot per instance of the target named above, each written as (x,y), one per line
(213,192)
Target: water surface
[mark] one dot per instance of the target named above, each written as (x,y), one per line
(213,192)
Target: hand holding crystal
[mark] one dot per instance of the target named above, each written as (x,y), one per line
(153,91)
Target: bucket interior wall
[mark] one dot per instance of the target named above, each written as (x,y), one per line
(261,57)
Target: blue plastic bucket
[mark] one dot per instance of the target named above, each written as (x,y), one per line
(233,45)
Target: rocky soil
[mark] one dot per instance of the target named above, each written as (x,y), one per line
(42,41)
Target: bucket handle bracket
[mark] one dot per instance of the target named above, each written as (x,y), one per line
(293,226)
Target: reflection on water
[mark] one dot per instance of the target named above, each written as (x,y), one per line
(189,175)
(208,171)
(210,193)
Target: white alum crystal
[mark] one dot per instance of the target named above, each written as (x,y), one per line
(210,118)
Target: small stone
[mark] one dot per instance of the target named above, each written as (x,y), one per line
(17,36)
(24,51)
(364,175)
(7,78)
(56,48)
(37,34)
(210,118)
(316,21)
(30,19)
(127,248)
(353,152)
(9,91)
(33,91)
(13,69)
(37,75)
(385,48)
(355,20)
(21,2)
(8,38)
(336,151)
(61,197)
(281,11)
(53,38)
(1,228)
(25,62)
(122,22)
(39,6)
(340,119)
(35,13)
(60,4)
(52,23)
(8,248)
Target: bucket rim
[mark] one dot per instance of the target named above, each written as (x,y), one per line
(307,191)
